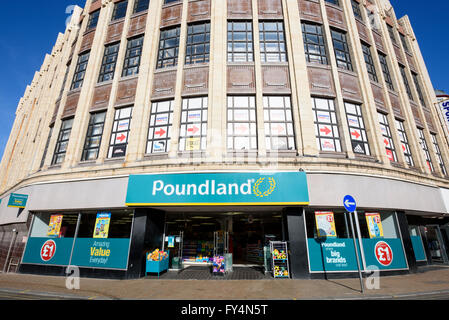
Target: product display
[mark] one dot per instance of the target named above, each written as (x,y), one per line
(198,251)
(279,255)
(218,266)
(157,255)
(254,253)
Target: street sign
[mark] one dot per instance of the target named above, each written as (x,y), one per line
(349,203)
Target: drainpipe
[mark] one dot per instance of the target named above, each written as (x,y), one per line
(10,248)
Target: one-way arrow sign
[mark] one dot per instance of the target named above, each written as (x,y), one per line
(349,203)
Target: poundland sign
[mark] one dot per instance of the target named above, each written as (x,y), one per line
(214,189)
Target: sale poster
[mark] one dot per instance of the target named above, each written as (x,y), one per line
(374,224)
(325,224)
(171,242)
(102,223)
(54,226)
(193,144)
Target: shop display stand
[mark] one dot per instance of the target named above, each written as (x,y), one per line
(279,254)
(254,253)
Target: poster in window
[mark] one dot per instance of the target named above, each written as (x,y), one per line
(102,223)
(374,224)
(54,226)
(325,224)
(171,242)
(193,144)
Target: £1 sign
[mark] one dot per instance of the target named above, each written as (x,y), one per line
(48,250)
(383,253)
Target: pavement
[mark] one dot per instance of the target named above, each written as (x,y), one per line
(429,283)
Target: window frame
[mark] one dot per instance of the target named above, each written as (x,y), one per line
(322,58)
(281,54)
(192,56)
(288,123)
(424,146)
(162,50)
(65,130)
(128,69)
(104,63)
(386,71)
(90,136)
(360,129)
(119,11)
(138,6)
(153,126)
(437,150)
(185,123)
(233,123)
(93,20)
(334,133)
(387,135)
(232,41)
(368,57)
(404,142)
(113,145)
(345,63)
(80,70)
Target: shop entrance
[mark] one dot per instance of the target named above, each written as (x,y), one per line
(437,243)
(194,239)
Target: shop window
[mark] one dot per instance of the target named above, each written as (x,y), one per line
(375,225)
(337,220)
(242,125)
(161,121)
(240,41)
(357,129)
(120,132)
(106,225)
(193,133)
(387,137)
(278,117)
(54,225)
(272,41)
(326,125)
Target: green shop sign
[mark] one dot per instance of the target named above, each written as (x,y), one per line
(17,200)
(218,189)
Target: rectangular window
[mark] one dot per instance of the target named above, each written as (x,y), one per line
(386,71)
(94,136)
(168,48)
(418,89)
(141,5)
(63,141)
(387,137)
(336,2)
(80,71)
(357,129)
(404,42)
(133,56)
(198,43)
(438,153)
(93,19)
(240,41)
(193,132)
(391,33)
(425,148)
(404,141)
(278,118)
(356,9)
(341,49)
(119,10)
(326,125)
(242,124)
(161,121)
(314,43)
(47,144)
(272,41)
(369,62)
(406,83)
(120,132)
(109,62)
(170,1)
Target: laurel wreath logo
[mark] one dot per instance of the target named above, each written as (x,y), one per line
(256,187)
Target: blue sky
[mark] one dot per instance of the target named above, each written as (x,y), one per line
(30,29)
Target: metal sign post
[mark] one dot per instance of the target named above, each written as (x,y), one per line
(351,206)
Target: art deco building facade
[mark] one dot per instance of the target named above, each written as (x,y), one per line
(227,122)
